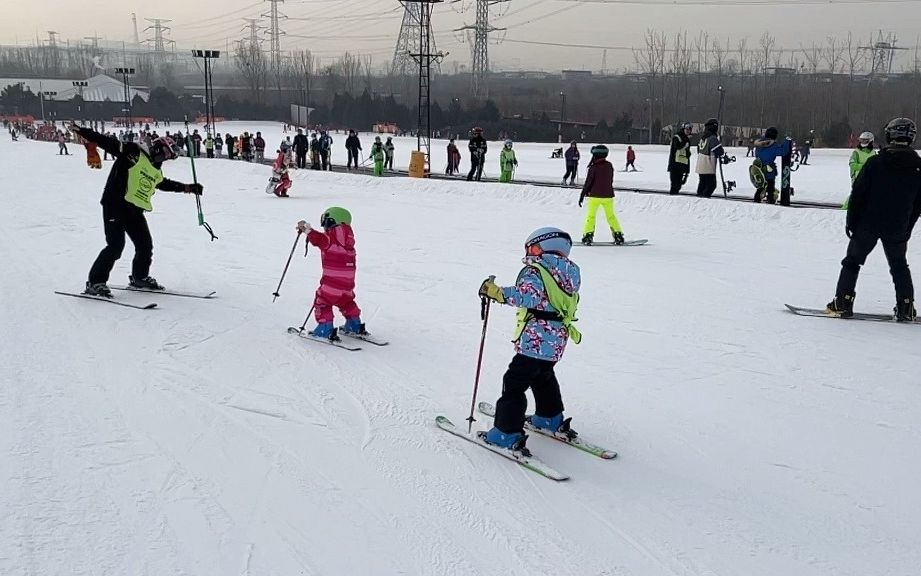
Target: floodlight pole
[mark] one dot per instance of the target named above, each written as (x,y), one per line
(126,72)
(207,56)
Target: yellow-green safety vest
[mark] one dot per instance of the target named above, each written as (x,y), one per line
(564,303)
(143,178)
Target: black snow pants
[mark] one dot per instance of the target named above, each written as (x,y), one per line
(476,167)
(706,185)
(677,180)
(353,156)
(860,246)
(572,170)
(525,372)
(301,159)
(119,220)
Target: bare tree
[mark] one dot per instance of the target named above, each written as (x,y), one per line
(254,67)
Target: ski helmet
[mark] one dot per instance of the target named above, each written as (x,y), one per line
(901,130)
(868,136)
(600,151)
(335,216)
(162,149)
(771,133)
(712,123)
(685,126)
(548,239)
(378,139)
(508,143)
(477,130)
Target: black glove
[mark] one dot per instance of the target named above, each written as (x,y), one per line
(196,189)
(848,231)
(684,178)
(581,198)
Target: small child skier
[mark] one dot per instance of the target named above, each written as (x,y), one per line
(859,157)
(378,156)
(92,154)
(546,294)
(280,178)
(599,188)
(507,162)
(337,285)
(631,158)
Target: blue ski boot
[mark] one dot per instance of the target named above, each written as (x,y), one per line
(355,326)
(325,330)
(554,424)
(514,441)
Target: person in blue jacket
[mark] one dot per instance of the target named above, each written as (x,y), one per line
(767,150)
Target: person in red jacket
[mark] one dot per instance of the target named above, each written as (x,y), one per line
(599,190)
(631,158)
(337,285)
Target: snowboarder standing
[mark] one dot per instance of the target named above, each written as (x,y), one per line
(133,179)
(884,206)
(572,163)
(767,150)
(631,158)
(709,152)
(454,158)
(388,151)
(280,181)
(546,294)
(378,155)
(679,158)
(300,148)
(599,189)
(477,147)
(337,285)
(352,146)
(507,162)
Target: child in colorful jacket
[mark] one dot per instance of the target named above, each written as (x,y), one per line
(280,175)
(546,295)
(337,285)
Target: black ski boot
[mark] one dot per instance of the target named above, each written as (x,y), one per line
(149,283)
(588,238)
(618,238)
(842,306)
(905,310)
(98,289)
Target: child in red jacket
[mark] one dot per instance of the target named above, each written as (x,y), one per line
(337,285)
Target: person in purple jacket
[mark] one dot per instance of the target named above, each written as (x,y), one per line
(572,164)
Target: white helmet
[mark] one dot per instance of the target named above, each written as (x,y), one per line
(866,136)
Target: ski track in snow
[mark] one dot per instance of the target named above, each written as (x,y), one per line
(200,438)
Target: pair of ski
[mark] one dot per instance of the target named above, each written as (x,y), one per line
(824,313)
(370,339)
(151,306)
(532,462)
(626,244)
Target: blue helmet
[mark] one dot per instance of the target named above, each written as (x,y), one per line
(548,239)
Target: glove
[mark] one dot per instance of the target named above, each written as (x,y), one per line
(490,290)
(303,227)
(515,161)
(581,198)
(196,189)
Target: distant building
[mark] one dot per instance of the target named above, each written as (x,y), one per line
(98,88)
(575,75)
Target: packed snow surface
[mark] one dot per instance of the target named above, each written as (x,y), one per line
(202,439)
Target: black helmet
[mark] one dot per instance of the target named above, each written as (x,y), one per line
(771,133)
(711,123)
(901,130)
(685,126)
(600,151)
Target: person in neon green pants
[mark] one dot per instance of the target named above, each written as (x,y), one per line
(599,189)
(507,162)
(378,155)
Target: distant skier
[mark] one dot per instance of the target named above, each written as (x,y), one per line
(454,158)
(209,145)
(259,146)
(546,294)
(378,156)
(806,148)
(280,182)
(572,164)
(218,145)
(300,148)
(767,150)
(326,148)
(599,189)
(388,152)
(337,284)
(353,146)
(679,158)
(477,147)
(62,144)
(507,162)
(885,205)
(314,152)
(863,152)
(709,152)
(92,154)
(196,143)
(631,158)
(134,178)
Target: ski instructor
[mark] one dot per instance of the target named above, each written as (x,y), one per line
(132,182)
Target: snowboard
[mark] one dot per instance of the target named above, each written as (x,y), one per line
(626,244)
(112,300)
(532,463)
(823,313)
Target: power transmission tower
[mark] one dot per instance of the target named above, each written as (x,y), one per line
(253,31)
(159,42)
(425,58)
(882,54)
(480,46)
(274,33)
(408,39)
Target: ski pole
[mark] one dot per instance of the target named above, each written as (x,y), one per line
(307,319)
(484,314)
(201,216)
(288,263)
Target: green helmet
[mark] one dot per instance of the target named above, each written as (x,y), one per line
(335,216)
(600,151)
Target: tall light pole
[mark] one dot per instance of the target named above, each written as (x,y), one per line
(80,85)
(207,56)
(559,130)
(44,93)
(126,72)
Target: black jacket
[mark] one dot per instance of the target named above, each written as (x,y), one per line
(680,143)
(300,143)
(477,146)
(125,154)
(886,197)
(352,143)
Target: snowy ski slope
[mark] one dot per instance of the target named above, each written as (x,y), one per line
(202,439)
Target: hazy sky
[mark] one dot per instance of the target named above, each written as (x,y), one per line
(329,27)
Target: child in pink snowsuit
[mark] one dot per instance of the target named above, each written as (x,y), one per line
(337,285)
(280,176)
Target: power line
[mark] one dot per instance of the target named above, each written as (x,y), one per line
(680,3)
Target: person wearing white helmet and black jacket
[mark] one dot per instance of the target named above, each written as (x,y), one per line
(709,153)
(884,206)
(132,182)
